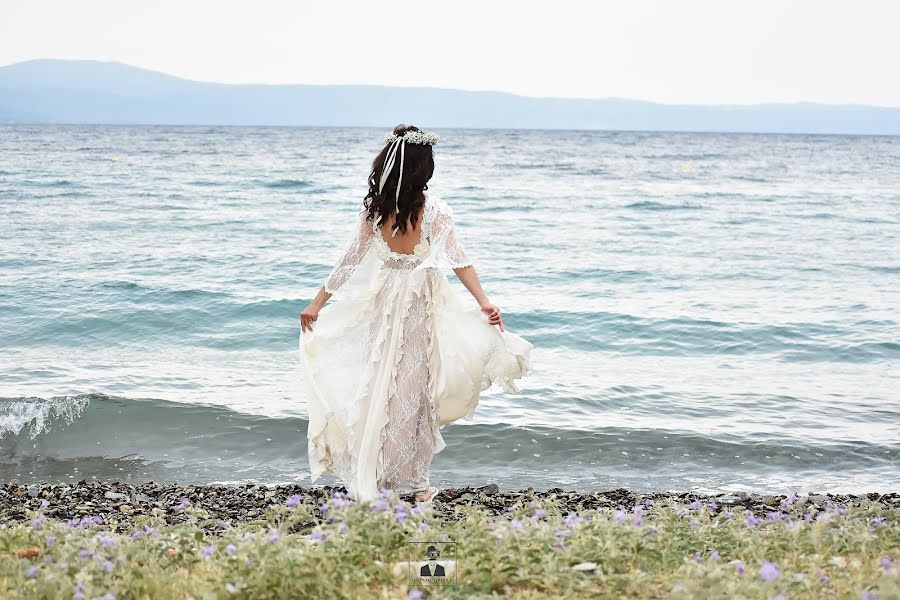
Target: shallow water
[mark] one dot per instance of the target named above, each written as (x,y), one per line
(709,311)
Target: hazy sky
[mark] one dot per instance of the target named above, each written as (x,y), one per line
(700,51)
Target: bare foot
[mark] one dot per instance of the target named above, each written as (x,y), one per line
(427,496)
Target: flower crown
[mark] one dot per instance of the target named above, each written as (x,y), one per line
(413,137)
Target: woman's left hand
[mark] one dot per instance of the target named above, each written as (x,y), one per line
(493,313)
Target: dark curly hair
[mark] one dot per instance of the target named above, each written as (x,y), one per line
(418,167)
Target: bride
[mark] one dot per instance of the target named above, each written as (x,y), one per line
(398,354)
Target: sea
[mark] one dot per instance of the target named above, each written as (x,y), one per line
(709,312)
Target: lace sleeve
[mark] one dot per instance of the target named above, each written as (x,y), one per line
(444,231)
(353,253)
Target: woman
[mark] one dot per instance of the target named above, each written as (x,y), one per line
(398,355)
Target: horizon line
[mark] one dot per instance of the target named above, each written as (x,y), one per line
(467,90)
(534,129)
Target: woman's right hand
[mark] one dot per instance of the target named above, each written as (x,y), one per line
(493,313)
(308,317)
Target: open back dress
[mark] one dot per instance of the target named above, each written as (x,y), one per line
(396,355)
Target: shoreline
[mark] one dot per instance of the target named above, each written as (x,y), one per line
(240,503)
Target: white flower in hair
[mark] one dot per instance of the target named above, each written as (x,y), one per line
(414,137)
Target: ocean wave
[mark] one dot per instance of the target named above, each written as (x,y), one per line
(150,439)
(287,184)
(650,205)
(151,426)
(34,416)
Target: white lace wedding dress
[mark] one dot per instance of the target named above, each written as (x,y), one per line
(396,355)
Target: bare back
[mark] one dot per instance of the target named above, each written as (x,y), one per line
(402,243)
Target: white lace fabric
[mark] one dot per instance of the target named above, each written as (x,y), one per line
(396,356)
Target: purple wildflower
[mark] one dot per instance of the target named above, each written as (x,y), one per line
(714,555)
(879,521)
(400,516)
(151,531)
(750,520)
(31,572)
(294,500)
(208,551)
(637,521)
(769,571)
(105,540)
(84,521)
(39,522)
(136,534)
(317,536)
(230,549)
(696,558)
(729,514)
(619,516)
(739,567)
(415,594)
(274,536)
(516,524)
(540,513)
(50,540)
(181,505)
(885,562)
(44,503)
(381,505)
(85,553)
(775,516)
(572,519)
(869,596)
(342,528)
(107,566)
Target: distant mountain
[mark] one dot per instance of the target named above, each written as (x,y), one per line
(66,91)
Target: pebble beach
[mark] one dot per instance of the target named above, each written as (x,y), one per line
(120,503)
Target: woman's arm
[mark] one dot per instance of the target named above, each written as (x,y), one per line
(458,259)
(311,312)
(341,272)
(469,278)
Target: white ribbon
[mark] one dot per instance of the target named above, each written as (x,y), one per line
(386,171)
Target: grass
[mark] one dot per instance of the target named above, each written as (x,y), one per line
(661,550)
